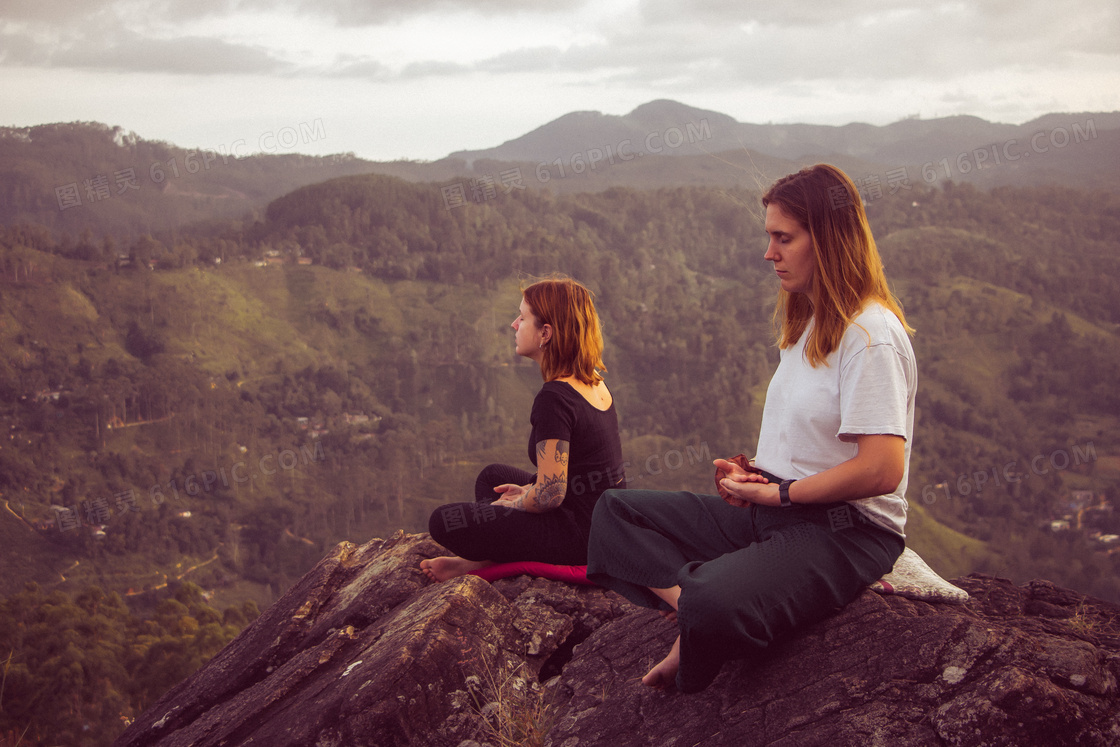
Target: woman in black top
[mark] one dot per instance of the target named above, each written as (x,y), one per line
(574,444)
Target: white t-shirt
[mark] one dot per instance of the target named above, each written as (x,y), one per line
(812,415)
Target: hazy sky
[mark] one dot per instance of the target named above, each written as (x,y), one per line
(421,78)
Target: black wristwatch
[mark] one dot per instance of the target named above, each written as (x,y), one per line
(783,492)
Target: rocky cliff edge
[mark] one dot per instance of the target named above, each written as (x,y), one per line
(365,651)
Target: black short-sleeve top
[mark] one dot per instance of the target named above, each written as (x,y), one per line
(595,459)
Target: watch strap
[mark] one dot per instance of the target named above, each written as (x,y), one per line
(783,492)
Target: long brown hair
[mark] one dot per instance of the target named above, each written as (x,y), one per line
(576,346)
(849,270)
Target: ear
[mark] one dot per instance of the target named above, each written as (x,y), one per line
(546,333)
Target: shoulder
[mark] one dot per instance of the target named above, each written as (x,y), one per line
(875,325)
(555,394)
(876,344)
(556,389)
(555,410)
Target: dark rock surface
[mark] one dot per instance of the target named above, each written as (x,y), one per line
(364,651)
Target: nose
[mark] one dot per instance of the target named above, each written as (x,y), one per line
(771,253)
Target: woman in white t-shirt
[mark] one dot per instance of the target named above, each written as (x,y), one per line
(819,512)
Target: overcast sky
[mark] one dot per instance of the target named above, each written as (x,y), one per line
(419,79)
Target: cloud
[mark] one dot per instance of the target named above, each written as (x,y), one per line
(792,14)
(51,11)
(365,13)
(127,51)
(351,66)
(718,43)
(433,68)
(530,59)
(126,37)
(217,36)
(656,42)
(182,55)
(21,48)
(65,13)
(669,48)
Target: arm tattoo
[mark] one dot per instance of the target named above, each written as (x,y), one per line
(550,491)
(540,451)
(562,449)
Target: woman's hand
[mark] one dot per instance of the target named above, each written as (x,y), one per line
(550,487)
(876,469)
(741,488)
(513,496)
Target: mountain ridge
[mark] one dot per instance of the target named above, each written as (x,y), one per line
(790,141)
(74,177)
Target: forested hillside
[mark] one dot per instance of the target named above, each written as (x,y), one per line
(89,176)
(338,368)
(87,179)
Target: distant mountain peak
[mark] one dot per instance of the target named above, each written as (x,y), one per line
(671,128)
(661,108)
(582,131)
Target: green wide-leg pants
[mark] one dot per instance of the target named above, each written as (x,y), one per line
(747,575)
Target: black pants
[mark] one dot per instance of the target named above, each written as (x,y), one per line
(479,531)
(746,575)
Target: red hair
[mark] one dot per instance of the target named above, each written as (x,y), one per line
(576,346)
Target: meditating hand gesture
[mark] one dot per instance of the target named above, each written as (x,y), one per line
(739,484)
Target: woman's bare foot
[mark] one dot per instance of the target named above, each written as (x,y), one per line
(451,566)
(664,673)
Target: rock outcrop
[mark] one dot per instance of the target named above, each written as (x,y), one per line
(364,651)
